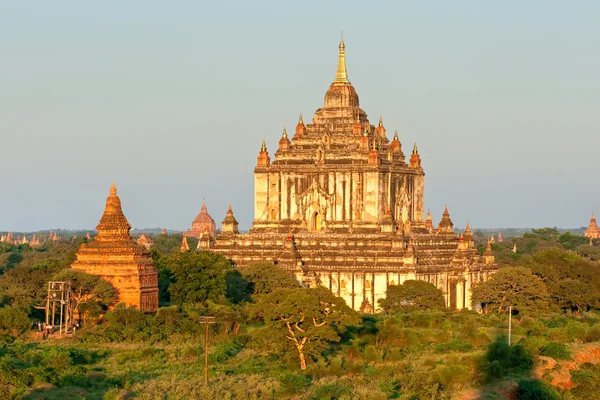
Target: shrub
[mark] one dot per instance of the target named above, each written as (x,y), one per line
(557,351)
(502,359)
(333,390)
(536,390)
(292,384)
(534,344)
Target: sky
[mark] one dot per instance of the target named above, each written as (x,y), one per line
(171,100)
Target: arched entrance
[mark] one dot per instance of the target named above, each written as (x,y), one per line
(316,222)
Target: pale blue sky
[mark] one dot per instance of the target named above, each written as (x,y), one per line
(172,99)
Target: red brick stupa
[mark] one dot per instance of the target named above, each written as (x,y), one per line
(114,256)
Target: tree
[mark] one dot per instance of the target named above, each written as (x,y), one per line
(307,319)
(570,241)
(197,277)
(412,295)
(13,320)
(90,293)
(511,286)
(590,252)
(263,278)
(573,282)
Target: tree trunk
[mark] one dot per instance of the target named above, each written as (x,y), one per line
(302,358)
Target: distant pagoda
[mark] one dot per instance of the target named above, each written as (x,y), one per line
(114,256)
(203,224)
(592,231)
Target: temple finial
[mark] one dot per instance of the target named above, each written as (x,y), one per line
(381,120)
(113,189)
(415,151)
(263,146)
(396,134)
(341,76)
(300,121)
(284,135)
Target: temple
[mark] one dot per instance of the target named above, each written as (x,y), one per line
(114,256)
(203,225)
(592,231)
(340,205)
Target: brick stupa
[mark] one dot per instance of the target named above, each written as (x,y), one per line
(114,256)
(592,231)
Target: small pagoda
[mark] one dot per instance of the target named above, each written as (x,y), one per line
(203,224)
(114,256)
(592,231)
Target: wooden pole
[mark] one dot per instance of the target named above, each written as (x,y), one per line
(509,322)
(62,306)
(206,321)
(206,353)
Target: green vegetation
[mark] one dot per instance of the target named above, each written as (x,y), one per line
(275,339)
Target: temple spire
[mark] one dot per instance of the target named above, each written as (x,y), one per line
(113,189)
(341,76)
(284,135)
(415,150)
(300,121)
(263,146)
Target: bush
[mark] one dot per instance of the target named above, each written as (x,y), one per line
(502,359)
(558,351)
(292,384)
(536,390)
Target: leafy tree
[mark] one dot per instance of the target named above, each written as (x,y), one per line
(573,282)
(412,295)
(590,252)
(307,319)
(263,278)
(164,276)
(13,320)
(511,286)
(197,277)
(546,234)
(170,244)
(570,241)
(501,359)
(89,293)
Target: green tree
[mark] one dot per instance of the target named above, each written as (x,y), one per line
(90,293)
(13,320)
(590,252)
(511,286)
(412,295)
(573,282)
(307,319)
(263,278)
(570,241)
(197,277)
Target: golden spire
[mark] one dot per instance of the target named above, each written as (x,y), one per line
(113,189)
(381,120)
(284,133)
(396,134)
(415,151)
(263,146)
(341,76)
(300,121)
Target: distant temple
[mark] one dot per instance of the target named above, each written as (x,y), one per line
(204,224)
(114,256)
(340,206)
(592,231)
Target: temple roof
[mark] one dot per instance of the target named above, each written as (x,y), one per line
(204,217)
(113,225)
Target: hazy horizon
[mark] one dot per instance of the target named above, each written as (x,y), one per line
(172,100)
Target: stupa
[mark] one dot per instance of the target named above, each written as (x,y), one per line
(592,231)
(114,256)
(203,224)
